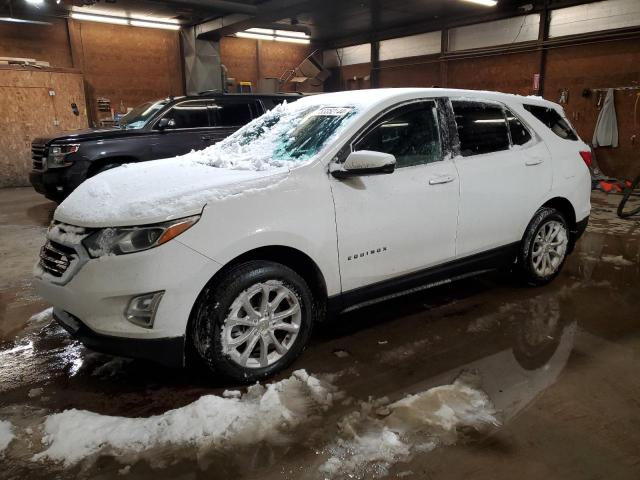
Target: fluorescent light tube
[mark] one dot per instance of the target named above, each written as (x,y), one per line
(292,40)
(263,31)
(485,3)
(99,18)
(291,33)
(22,20)
(142,23)
(255,36)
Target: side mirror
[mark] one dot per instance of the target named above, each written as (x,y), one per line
(366,162)
(165,122)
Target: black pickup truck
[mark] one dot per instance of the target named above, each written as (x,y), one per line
(153,130)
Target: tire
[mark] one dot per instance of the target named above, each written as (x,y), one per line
(221,319)
(536,249)
(634,189)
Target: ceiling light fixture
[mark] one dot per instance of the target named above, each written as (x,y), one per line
(275,35)
(124,21)
(485,3)
(22,20)
(34,2)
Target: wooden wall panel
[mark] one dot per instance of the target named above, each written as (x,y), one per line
(42,42)
(29,111)
(129,64)
(240,56)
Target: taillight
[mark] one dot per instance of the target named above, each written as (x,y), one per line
(588,159)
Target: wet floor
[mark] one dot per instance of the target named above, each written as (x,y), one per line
(559,365)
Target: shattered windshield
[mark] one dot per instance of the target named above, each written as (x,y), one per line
(288,133)
(140,116)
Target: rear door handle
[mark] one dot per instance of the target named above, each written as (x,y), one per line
(533,161)
(206,138)
(440,180)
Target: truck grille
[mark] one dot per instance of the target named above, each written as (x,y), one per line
(38,155)
(55,258)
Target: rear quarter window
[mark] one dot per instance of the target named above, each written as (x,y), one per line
(553,120)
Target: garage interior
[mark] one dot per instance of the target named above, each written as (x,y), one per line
(569,410)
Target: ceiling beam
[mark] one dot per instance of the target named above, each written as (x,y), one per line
(217,6)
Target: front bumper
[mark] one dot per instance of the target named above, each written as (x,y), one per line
(95,293)
(165,351)
(57,183)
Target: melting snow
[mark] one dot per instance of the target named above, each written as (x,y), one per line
(262,413)
(618,260)
(43,316)
(6,434)
(369,445)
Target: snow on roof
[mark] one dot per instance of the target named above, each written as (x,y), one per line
(372,97)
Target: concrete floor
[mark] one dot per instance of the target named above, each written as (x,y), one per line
(560,363)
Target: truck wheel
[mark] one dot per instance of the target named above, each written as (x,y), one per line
(253,321)
(544,247)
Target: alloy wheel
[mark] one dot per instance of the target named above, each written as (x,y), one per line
(262,325)
(549,248)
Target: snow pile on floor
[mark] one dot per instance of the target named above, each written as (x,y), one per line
(380,435)
(43,316)
(617,260)
(263,413)
(6,434)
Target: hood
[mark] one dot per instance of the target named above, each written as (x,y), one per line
(86,135)
(152,192)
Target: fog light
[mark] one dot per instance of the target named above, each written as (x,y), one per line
(142,309)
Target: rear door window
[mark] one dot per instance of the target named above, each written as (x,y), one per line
(519,133)
(233,112)
(482,127)
(410,133)
(191,114)
(552,119)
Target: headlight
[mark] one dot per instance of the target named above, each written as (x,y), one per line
(123,240)
(58,155)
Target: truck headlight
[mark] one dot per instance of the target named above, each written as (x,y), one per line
(123,240)
(58,155)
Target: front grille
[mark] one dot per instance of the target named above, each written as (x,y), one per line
(56,258)
(38,155)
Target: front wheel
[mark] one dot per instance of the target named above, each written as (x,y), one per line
(253,321)
(544,247)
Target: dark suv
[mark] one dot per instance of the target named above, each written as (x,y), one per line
(153,130)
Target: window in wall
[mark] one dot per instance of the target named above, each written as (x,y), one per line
(482,127)
(410,133)
(189,115)
(552,119)
(519,133)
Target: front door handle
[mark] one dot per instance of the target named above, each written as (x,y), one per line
(440,180)
(533,161)
(206,138)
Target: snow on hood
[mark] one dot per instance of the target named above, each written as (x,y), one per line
(257,156)
(152,192)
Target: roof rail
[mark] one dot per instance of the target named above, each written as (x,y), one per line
(206,92)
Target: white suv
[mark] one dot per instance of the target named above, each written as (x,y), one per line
(322,206)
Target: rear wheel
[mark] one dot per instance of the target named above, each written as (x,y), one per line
(544,248)
(254,321)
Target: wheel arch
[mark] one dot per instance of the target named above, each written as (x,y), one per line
(291,257)
(566,208)
(98,163)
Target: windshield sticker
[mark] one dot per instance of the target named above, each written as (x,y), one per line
(333,111)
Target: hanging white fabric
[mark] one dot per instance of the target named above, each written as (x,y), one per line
(606,133)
